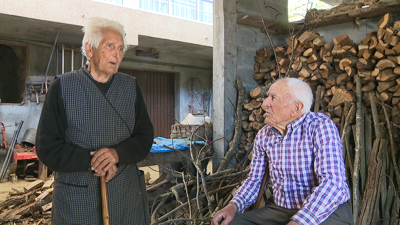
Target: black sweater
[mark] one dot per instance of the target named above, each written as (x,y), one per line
(62,156)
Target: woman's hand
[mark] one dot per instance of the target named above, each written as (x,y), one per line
(104,162)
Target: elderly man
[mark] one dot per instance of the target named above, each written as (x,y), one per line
(306,166)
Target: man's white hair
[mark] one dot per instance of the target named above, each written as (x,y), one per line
(300,92)
(93,32)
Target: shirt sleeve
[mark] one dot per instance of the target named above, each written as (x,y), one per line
(52,146)
(247,193)
(331,174)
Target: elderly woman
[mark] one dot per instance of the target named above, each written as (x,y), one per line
(94,123)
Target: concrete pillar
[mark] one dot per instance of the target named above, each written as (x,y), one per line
(224,76)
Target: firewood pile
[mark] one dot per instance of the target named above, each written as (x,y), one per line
(358,86)
(30,206)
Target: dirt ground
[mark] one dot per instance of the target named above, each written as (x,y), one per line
(6,187)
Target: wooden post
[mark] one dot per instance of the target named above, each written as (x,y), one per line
(42,171)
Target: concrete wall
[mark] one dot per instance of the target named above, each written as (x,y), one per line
(136,22)
(184,69)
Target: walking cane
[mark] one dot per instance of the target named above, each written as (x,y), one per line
(104,202)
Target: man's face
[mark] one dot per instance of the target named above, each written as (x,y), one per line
(107,57)
(278,105)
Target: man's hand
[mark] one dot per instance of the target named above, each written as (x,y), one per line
(293,223)
(104,162)
(225,215)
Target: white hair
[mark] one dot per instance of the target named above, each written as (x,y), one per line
(93,32)
(300,92)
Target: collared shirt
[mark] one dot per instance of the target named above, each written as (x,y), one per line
(306,168)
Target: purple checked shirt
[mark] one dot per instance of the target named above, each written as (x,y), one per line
(306,169)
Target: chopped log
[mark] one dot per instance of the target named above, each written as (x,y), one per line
(395,101)
(319,41)
(373,42)
(33,185)
(385,96)
(292,41)
(380,33)
(383,86)
(338,50)
(367,54)
(393,40)
(313,66)
(266,52)
(385,21)
(368,87)
(258,76)
(308,52)
(259,59)
(398,81)
(386,75)
(395,59)
(47,206)
(44,195)
(364,64)
(338,111)
(396,48)
(376,72)
(307,36)
(340,96)
(256,67)
(385,63)
(342,78)
(390,52)
(49,182)
(328,46)
(397,93)
(255,104)
(305,72)
(388,34)
(379,55)
(394,88)
(381,46)
(267,66)
(342,40)
(396,70)
(312,58)
(283,61)
(350,61)
(254,93)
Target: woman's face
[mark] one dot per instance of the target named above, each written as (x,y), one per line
(106,58)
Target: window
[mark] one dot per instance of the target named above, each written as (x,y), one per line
(13,72)
(117,2)
(200,10)
(297,9)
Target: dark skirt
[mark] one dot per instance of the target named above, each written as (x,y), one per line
(77,198)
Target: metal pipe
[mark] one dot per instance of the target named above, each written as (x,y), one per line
(56,59)
(72,59)
(10,151)
(62,59)
(51,56)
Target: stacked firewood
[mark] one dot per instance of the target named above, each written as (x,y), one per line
(30,206)
(331,70)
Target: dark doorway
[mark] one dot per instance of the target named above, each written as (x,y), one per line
(158,92)
(12,72)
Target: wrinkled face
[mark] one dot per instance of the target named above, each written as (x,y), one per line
(106,58)
(279,105)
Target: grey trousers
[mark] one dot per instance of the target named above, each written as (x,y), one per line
(272,214)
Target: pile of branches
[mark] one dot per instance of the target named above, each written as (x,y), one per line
(30,206)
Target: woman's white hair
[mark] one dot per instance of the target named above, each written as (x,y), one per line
(301,92)
(93,32)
